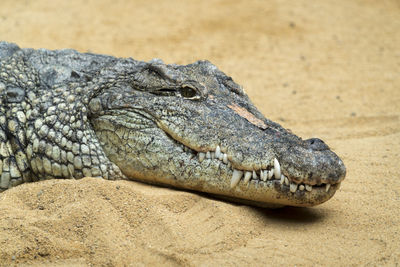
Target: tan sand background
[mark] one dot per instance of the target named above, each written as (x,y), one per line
(329,69)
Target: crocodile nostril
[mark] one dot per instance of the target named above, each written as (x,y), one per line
(317,144)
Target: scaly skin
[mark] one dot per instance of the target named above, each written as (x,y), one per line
(65,114)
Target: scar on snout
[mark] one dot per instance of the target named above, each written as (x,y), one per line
(244,113)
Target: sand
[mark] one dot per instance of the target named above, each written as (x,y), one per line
(327,69)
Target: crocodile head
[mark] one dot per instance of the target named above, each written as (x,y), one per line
(192,127)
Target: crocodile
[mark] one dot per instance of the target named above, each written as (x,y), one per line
(66,114)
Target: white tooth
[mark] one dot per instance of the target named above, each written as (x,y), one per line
(301,187)
(221,156)
(282,179)
(327,187)
(225,158)
(255,175)
(217,152)
(236,177)
(271,173)
(201,156)
(308,187)
(277,169)
(212,155)
(247,177)
(293,187)
(286,181)
(208,155)
(264,175)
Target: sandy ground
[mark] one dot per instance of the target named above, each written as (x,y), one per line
(329,69)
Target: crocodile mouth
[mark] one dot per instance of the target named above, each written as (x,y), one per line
(270,176)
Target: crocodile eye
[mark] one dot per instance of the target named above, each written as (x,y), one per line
(188,92)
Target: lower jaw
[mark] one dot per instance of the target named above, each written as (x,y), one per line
(269,193)
(273,194)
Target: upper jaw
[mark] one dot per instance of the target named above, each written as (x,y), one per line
(265,157)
